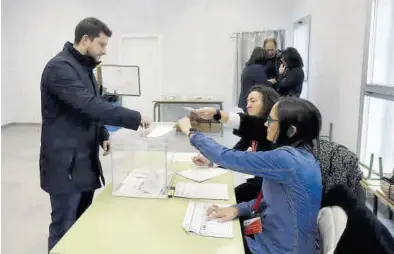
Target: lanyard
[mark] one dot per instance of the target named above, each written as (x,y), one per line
(257,202)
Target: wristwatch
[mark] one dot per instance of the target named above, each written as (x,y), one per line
(217,116)
(191,131)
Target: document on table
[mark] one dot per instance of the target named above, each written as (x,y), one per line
(160,131)
(201,190)
(201,174)
(196,221)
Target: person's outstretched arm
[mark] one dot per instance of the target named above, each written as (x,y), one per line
(65,85)
(270,164)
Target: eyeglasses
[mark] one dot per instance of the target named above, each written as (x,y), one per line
(270,120)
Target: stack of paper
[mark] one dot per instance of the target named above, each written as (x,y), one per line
(196,221)
(201,190)
(201,174)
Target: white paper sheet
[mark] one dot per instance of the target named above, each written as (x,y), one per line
(201,174)
(159,131)
(196,221)
(201,190)
(190,109)
(180,157)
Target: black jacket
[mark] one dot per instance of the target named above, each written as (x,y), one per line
(273,65)
(364,233)
(251,75)
(290,82)
(73,115)
(245,142)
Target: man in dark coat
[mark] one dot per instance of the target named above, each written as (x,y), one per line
(73,118)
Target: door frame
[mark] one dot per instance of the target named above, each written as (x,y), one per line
(157,36)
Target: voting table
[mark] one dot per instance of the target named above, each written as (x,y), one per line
(138,225)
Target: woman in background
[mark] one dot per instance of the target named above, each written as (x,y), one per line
(260,101)
(291,74)
(253,73)
(292,181)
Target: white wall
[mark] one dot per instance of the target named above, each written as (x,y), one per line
(337,43)
(197,51)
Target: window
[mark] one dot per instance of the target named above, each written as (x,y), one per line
(381,53)
(377,132)
(301,43)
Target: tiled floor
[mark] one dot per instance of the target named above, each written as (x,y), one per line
(25,210)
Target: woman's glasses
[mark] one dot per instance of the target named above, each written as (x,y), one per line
(270,120)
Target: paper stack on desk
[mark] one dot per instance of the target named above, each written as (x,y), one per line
(201,174)
(201,190)
(196,221)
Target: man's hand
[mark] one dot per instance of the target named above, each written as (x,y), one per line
(184,125)
(206,112)
(145,122)
(201,161)
(282,68)
(223,214)
(106,147)
(273,81)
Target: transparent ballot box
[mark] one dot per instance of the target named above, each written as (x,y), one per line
(139,162)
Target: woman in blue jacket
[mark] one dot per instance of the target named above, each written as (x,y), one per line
(291,190)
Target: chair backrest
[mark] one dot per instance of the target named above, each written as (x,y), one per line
(331,223)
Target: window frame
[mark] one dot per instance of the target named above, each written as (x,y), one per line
(308,21)
(370,89)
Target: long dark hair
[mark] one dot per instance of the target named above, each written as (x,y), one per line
(258,56)
(305,117)
(292,58)
(269,96)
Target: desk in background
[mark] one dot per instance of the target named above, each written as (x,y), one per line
(113,225)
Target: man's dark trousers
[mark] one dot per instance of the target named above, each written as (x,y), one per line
(66,209)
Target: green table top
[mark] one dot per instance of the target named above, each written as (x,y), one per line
(113,225)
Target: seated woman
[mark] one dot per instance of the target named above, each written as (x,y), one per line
(291,75)
(292,181)
(260,101)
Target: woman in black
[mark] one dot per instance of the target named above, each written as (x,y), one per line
(260,101)
(291,74)
(253,73)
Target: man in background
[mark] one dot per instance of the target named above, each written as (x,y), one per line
(73,118)
(274,56)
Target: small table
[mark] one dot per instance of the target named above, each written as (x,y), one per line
(150,226)
(185,101)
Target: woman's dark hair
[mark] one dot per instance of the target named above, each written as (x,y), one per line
(292,58)
(258,56)
(269,96)
(305,117)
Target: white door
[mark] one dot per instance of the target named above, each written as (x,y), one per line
(143,51)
